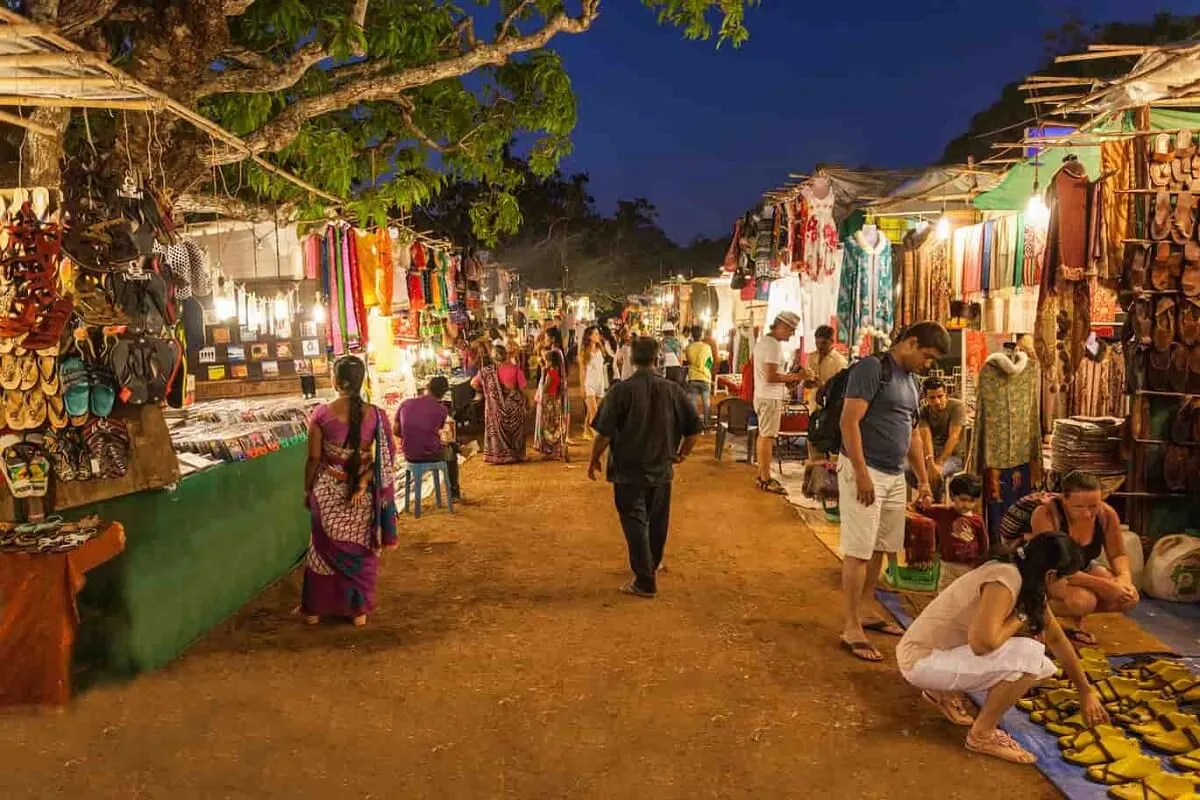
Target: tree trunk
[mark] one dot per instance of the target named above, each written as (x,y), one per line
(41,156)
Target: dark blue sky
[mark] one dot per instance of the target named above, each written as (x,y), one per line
(703,132)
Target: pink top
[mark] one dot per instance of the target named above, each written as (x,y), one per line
(511,376)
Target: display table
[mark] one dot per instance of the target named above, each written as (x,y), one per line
(194,556)
(38,618)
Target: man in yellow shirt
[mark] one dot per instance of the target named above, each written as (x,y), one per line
(699,358)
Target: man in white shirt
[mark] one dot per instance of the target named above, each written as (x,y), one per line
(771,392)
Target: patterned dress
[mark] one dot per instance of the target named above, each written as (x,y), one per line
(865,297)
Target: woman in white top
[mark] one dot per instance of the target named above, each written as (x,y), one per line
(592,376)
(966,641)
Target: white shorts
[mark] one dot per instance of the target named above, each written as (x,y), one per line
(960,670)
(879,527)
(769,413)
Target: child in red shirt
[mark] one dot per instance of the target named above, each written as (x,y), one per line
(962,541)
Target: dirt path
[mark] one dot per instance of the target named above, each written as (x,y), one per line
(502,663)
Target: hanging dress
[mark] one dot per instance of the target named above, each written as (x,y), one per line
(822,252)
(865,299)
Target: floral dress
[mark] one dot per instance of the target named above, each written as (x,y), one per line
(822,251)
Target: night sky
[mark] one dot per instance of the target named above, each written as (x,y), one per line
(703,132)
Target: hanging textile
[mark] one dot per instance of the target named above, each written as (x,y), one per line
(1117,163)
(864,305)
(366,251)
(383,278)
(312,256)
(987,253)
(1007,431)
(905,290)
(958,262)
(822,248)
(763,243)
(1099,389)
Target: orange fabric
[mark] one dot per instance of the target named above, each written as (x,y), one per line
(385,275)
(368,265)
(38,618)
(1117,161)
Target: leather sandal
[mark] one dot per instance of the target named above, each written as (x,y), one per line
(1184,226)
(1164,323)
(1143,319)
(1159,786)
(1185,145)
(1137,258)
(1180,362)
(1190,276)
(1183,424)
(1166,266)
(1176,462)
(1163,152)
(1160,175)
(1160,225)
(1158,371)
(56,412)
(1193,379)
(1181,173)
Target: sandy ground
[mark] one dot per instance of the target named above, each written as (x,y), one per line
(502,663)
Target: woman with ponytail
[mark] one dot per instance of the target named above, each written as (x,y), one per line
(349,488)
(977,637)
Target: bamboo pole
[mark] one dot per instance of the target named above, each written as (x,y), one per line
(144,104)
(1054,98)
(1060,84)
(66,84)
(45,60)
(28,124)
(1094,56)
(20,30)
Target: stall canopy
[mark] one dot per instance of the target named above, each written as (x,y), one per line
(935,190)
(1162,73)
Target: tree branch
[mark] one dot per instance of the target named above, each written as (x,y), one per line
(235,8)
(511,18)
(285,126)
(232,208)
(75,18)
(273,79)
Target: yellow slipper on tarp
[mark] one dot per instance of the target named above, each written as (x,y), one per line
(1160,786)
(1060,724)
(1189,761)
(1104,750)
(1057,698)
(1112,690)
(1127,770)
(1176,742)
(1146,710)
(1167,676)
(1165,724)
(1074,741)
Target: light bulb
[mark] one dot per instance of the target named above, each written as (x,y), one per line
(280,307)
(1036,210)
(224,306)
(943,229)
(318,313)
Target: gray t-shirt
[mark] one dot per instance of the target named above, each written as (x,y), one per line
(888,424)
(939,422)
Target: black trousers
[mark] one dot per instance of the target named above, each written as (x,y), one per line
(645,515)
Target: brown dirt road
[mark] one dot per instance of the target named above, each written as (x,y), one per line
(502,663)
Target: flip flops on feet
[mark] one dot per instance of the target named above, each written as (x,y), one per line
(863,651)
(771,486)
(633,590)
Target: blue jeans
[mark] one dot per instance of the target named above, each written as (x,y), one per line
(702,390)
(951,467)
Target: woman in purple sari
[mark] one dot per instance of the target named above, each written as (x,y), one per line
(349,487)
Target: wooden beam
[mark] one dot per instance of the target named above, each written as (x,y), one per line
(1054,98)
(44,60)
(66,84)
(20,30)
(28,124)
(1025,87)
(1094,56)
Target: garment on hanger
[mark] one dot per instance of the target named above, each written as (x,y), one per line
(1099,388)
(367,257)
(865,295)
(986,255)
(385,270)
(1117,162)
(763,244)
(1007,432)
(972,283)
(822,249)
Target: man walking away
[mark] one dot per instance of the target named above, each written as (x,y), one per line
(879,414)
(672,354)
(650,426)
(422,424)
(771,384)
(699,355)
(941,425)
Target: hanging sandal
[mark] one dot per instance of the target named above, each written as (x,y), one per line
(1159,786)
(1163,152)
(1189,321)
(76,385)
(1164,323)
(1143,319)
(1127,770)
(1180,360)
(1102,751)
(1000,745)
(1137,259)
(1166,266)
(1160,225)
(1184,226)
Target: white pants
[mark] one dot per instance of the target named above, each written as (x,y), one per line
(879,527)
(960,670)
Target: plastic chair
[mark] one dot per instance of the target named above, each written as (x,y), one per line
(734,416)
(412,485)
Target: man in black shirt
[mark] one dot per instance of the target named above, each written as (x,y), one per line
(650,426)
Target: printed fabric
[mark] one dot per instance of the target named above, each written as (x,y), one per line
(1007,427)
(187,268)
(822,251)
(865,296)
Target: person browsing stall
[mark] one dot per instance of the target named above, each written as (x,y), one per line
(941,422)
(771,383)
(879,414)
(425,431)
(1093,525)
(977,636)
(647,425)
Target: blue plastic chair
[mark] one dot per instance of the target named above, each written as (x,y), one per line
(412,485)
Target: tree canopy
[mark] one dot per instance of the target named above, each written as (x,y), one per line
(565,241)
(385,101)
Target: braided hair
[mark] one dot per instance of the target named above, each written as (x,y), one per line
(1046,552)
(348,374)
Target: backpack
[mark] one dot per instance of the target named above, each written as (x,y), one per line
(825,424)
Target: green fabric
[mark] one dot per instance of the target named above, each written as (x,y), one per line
(1018,267)
(193,557)
(1014,191)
